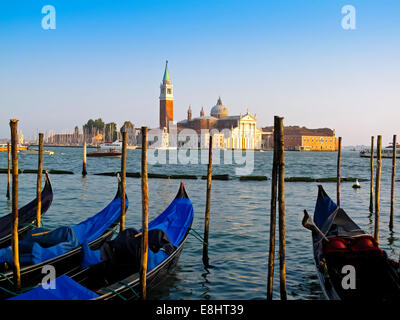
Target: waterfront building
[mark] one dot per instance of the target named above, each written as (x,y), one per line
(303,139)
(230,132)
(20,137)
(74,138)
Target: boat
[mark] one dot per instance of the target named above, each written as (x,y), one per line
(109,280)
(116,145)
(350,265)
(387,152)
(3,147)
(356,185)
(36,151)
(113,153)
(60,248)
(26,215)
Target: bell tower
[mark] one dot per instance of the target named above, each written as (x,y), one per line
(166,100)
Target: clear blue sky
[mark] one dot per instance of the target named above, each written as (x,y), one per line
(289,58)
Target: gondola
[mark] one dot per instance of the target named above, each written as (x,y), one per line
(350,265)
(105,281)
(26,215)
(60,248)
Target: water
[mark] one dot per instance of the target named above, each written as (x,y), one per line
(239,226)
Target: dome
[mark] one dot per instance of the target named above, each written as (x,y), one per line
(219,110)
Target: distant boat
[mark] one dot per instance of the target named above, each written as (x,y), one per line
(116,145)
(163,148)
(113,153)
(3,147)
(36,151)
(387,152)
(356,185)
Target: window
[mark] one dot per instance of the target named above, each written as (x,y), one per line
(169,91)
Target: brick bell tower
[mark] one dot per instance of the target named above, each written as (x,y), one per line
(166,100)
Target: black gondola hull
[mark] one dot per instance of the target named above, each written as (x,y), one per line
(373,275)
(26,216)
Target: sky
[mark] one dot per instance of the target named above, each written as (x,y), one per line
(105,59)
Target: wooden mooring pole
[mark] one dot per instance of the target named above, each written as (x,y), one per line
(208,199)
(145,215)
(392,184)
(371,186)
(378,186)
(338,171)
(8,171)
(84,172)
(14,227)
(272,224)
(281,209)
(278,193)
(123,180)
(39,182)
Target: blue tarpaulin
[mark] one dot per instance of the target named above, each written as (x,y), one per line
(36,249)
(174,221)
(64,289)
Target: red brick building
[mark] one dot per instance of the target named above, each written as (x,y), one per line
(304,139)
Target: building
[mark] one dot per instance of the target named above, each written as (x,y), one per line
(74,138)
(233,132)
(303,139)
(166,100)
(20,137)
(238,131)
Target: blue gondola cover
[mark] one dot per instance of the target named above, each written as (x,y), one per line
(65,289)
(323,208)
(37,249)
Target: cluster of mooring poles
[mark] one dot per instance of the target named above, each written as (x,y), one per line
(377,179)
(378,183)
(13,170)
(12,149)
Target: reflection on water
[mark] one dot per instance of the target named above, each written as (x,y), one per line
(205,285)
(84,188)
(239,221)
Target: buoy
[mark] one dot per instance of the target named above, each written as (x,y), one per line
(357,185)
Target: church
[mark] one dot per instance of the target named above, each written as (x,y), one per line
(229,132)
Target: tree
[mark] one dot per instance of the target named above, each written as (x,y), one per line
(129,128)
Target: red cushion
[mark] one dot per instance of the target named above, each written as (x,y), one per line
(364,243)
(335,244)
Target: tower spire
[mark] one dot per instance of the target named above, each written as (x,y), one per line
(189,117)
(166,77)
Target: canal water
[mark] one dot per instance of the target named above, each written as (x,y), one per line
(239,224)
